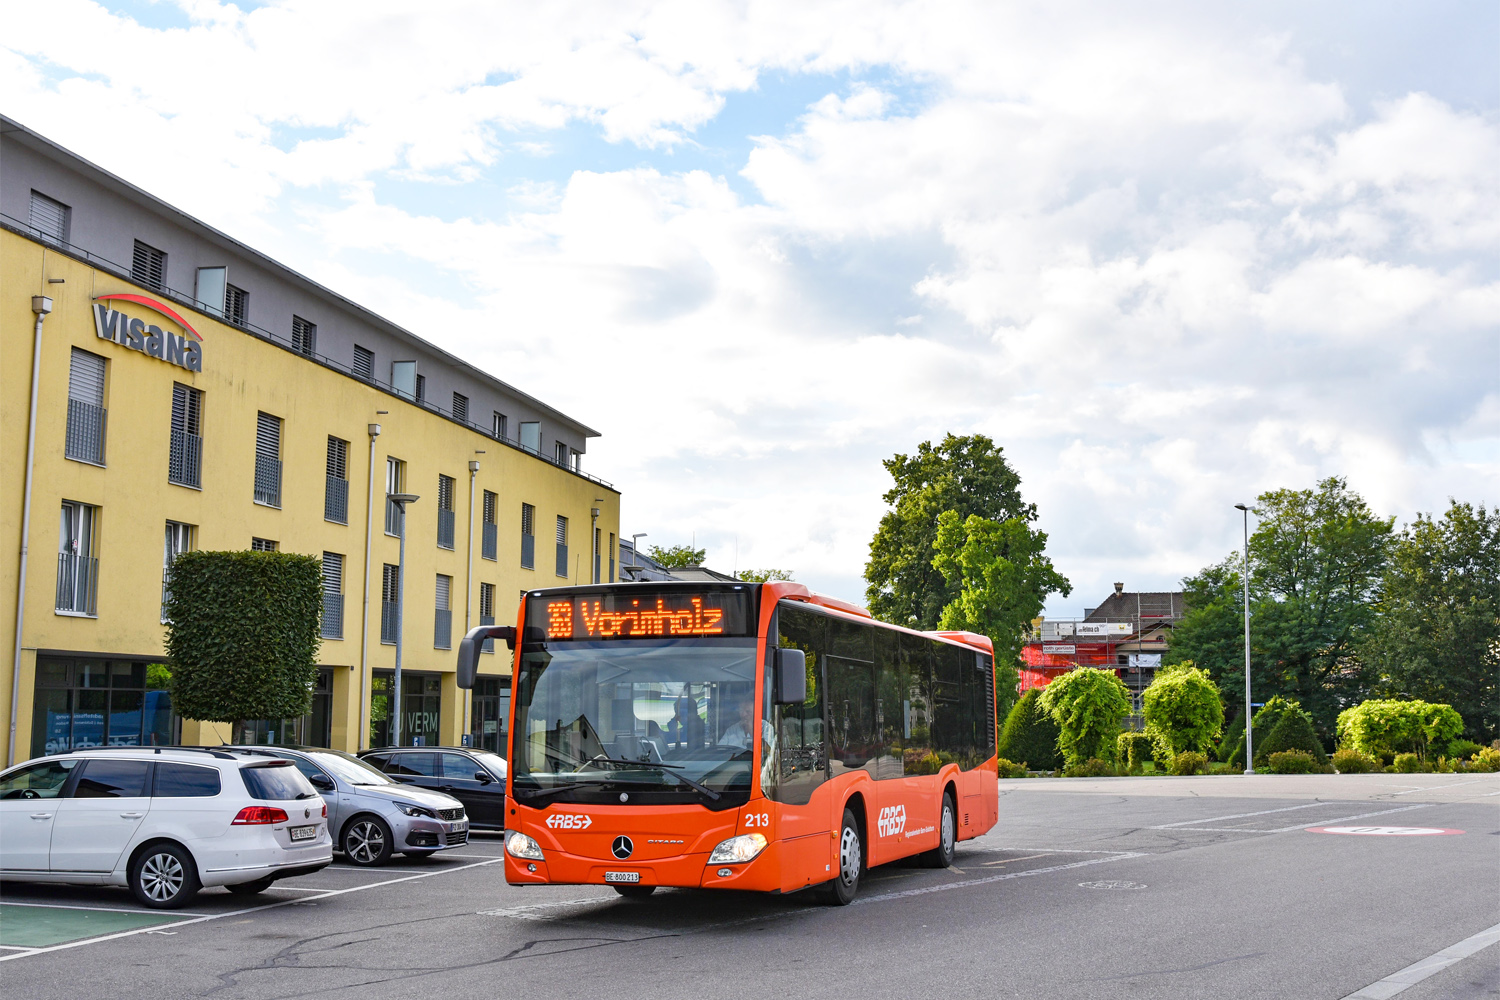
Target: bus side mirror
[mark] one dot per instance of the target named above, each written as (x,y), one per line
(473,642)
(791,677)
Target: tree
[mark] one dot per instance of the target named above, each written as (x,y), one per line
(1437,637)
(1087,704)
(678,556)
(1315,561)
(968,475)
(1029,735)
(242,634)
(1261,724)
(1003,578)
(1293,731)
(1183,709)
(763,575)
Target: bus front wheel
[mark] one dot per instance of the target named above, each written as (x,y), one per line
(840,891)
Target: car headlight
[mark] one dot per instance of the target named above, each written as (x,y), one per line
(518,845)
(412,810)
(738,850)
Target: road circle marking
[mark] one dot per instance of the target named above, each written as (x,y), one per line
(1385,831)
(1110,884)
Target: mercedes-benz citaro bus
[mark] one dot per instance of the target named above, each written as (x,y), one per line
(736,736)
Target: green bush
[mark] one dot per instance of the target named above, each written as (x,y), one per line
(1463,748)
(1219,767)
(1190,762)
(1347,761)
(1183,709)
(1487,759)
(1378,727)
(1293,731)
(1407,763)
(1261,724)
(1087,704)
(1134,749)
(1293,762)
(1030,735)
(1091,768)
(1009,769)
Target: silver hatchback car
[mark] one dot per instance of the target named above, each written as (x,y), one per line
(371,816)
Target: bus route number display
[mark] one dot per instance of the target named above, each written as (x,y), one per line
(648,616)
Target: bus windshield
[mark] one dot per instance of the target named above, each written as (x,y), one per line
(646,722)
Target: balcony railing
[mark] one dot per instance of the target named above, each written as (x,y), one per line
(333,617)
(185,463)
(393,517)
(491,540)
(268,481)
(85,438)
(388,622)
(445,529)
(562,560)
(336,501)
(528,552)
(442,629)
(77,584)
(489,644)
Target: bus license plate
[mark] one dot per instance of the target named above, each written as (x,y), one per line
(622,876)
(303,832)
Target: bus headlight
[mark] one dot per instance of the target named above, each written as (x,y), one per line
(518,845)
(738,850)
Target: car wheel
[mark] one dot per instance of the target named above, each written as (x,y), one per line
(840,891)
(367,841)
(164,877)
(419,855)
(941,856)
(635,891)
(251,888)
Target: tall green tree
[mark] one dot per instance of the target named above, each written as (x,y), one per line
(1088,705)
(1183,709)
(1437,637)
(1003,577)
(1316,559)
(243,634)
(968,475)
(678,556)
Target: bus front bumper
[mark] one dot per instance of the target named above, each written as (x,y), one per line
(688,871)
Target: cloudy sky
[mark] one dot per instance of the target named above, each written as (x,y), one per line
(1168,255)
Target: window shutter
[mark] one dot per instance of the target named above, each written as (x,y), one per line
(460,407)
(562,530)
(267,437)
(489,507)
(445,492)
(333,573)
(304,335)
(388,582)
(421,388)
(444,585)
(49,218)
(148,265)
(86,378)
(338,458)
(236,304)
(187,405)
(486,600)
(528,518)
(364,363)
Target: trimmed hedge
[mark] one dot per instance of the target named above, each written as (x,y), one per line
(1092,768)
(1135,748)
(1190,762)
(1347,761)
(1029,735)
(1009,769)
(1293,731)
(1293,762)
(1381,727)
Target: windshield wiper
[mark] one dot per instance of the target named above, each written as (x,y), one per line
(558,789)
(713,795)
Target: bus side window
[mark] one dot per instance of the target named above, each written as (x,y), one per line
(919,756)
(854,743)
(800,764)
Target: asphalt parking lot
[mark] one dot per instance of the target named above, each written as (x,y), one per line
(1153,887)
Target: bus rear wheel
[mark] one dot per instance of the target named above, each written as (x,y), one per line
(840,891)
(941,856)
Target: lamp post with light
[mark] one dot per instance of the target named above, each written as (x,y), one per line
(400,500)
(1245,580)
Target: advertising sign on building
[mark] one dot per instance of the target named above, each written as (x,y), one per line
(1145,659)
(1104,629)
(185,351)
(1059,649)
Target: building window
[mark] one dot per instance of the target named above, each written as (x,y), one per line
(491,715)
(442,627)
(598,552)
(148,266)
(333,596)
(421,388)
(497,426)
(179,540)
(562,546)
(364,363)
(404,378)
(236,305)
(531,436)
(77,567)
(487,613)
(460,407)
(575,460)
(304,336)
(210,289)
(86,415)
(395,482)
(185,458)
(92,703)
(390,581)
(421,708)
(528,536)
(560,454)
(50,219)
(445,516)
(491,540)
(267,460)
(262,545)
(611,557)
(336,489)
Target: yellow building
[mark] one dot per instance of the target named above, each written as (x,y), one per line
(191,393)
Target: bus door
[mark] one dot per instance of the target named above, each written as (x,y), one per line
(908,795)
(796,777)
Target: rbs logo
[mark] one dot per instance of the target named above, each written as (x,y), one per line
(570,821)
(892,821)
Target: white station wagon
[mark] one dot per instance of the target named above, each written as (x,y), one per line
(165,821)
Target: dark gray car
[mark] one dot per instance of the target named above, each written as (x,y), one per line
(474,777)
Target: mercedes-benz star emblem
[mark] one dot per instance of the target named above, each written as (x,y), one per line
(621,848)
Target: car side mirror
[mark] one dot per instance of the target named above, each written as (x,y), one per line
(482,777)
(791,677)
(321,782)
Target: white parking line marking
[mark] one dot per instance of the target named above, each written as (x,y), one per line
(1413,974)
(238,913)
(968,883)
(1007,861)
(70,906)
(1432,787)
(1217,819)
(1303,826)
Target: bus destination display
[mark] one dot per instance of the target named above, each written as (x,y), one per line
(658,615)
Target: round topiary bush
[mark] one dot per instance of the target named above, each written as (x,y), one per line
(1087,704)
(1261,724)
(1029,735)
(1293,731)
(1183,709)
(1293,762)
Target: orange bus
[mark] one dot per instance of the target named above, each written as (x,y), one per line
(736,736)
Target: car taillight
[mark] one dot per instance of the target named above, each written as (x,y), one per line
(260,815)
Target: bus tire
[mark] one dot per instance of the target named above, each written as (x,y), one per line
(841,890)
(941,856)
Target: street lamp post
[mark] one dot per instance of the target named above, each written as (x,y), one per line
(400,500)
(1245,581)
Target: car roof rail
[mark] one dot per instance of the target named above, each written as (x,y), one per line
(135,746)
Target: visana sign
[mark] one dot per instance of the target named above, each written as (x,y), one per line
(127,331)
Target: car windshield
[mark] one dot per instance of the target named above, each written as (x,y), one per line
(493,763)
(598,719)
(347,768)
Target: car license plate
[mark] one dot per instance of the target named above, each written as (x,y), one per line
(303,832)
(622,876)
(458,827)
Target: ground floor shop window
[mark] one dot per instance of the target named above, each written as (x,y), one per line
(422,699)
(315,729)
(96,702)
(491,714)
